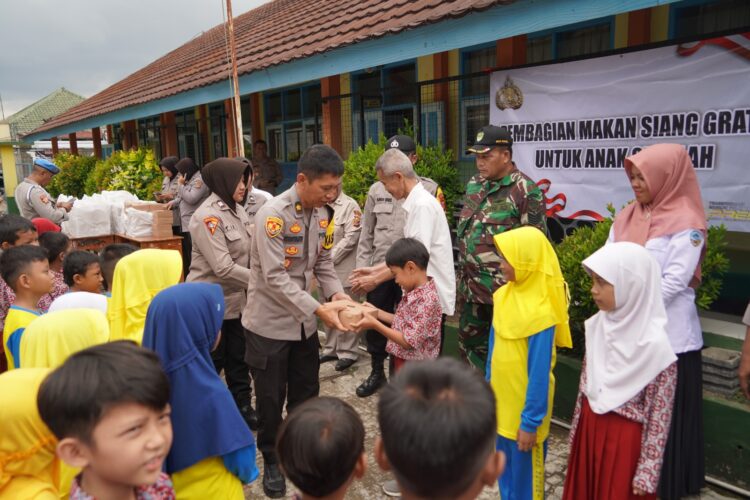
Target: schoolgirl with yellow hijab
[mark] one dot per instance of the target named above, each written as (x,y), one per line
(138,278)
(530,319)
(29,467)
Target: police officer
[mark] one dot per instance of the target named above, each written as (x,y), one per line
(221,237)
(191,192)
(342,346)
(500,197)
(291,245)
(382,224)
(34,201)
(268,174)
(255,197)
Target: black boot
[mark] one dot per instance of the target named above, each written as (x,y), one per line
(250,416)
(274,484)
(375,381)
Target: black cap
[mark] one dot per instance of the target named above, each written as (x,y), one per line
(402,142)
(489,137)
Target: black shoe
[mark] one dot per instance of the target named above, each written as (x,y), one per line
(250,416)
(325,358)
(375,381)
(274,484)
(343,364)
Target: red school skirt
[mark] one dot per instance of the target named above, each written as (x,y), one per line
(603,457)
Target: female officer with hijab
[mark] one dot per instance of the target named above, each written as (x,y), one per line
(191,191)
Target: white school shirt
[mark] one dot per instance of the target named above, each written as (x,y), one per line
(426,222)
(678,255)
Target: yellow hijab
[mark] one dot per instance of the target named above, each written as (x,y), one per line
(28,465)
(50,339)
(538,298)
(138,278)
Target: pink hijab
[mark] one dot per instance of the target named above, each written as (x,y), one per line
(676,203)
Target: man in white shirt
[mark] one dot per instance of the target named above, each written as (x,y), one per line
(425,221)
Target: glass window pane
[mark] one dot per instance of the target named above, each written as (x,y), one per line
(293,105)
(294,145)
(312,102)
(400,85)
(712,17)
(477,116)
(584,41)
(274,144)
(539,49)
(474,62)
(394,120)
(273,107)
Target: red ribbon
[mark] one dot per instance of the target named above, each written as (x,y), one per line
(553,208)
(725,42)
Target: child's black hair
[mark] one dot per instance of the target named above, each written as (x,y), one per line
(11,225)
(77,262)
(406,250)
(320,160)
(16,260)
(74,398)
(319,444)
(110,256)
(438,426)
(55,244)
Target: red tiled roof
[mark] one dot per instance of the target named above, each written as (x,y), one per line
(272,34)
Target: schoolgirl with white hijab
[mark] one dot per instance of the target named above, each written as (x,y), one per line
(626,393)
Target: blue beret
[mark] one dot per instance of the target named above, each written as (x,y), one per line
(46,165)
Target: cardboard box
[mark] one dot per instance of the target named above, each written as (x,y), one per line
(161,226)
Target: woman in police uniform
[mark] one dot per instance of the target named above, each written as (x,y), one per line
(221,234)
(191,192)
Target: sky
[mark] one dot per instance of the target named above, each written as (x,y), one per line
(87,45)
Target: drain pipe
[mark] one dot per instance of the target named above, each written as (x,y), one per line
(710,480)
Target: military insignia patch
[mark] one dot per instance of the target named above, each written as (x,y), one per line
(287,263)
(323,223)
(480,136)
(44,198)
(357,220)
(394,144)
(296,228)
(328,239)
(298,208)
(274,225)
(211,224)
(291,250)
(696,238)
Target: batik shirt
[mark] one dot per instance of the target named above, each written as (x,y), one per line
(161,490)
(58,288)
(418,317)
(490,208)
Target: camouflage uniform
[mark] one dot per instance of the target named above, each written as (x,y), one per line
(490,207)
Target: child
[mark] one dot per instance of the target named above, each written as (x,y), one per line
(58,245)
(110,256)
(83,272)
(26,270)
(437,425)
(530,318)
(321,448)
(628,380)
(415,327)
(137,279)
(27,447)
(115,426)
(214,451)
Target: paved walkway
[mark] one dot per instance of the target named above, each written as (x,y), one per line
(343,385)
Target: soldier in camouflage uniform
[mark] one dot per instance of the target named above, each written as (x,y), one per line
(497,199)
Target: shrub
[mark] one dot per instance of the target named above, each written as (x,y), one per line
(135,171)
(74,171)
(359,170)
(587,239)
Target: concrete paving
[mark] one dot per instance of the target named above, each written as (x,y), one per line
(343,385)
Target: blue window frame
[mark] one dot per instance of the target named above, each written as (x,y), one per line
(701,17)
(580,39)
(292,121)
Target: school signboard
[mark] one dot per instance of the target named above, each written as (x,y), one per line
(573,123)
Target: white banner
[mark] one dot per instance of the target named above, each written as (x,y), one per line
(574,123)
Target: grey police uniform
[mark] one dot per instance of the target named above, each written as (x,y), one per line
(290,246)
(34,201)
(347,226)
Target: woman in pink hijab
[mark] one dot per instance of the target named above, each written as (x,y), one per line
(667,217)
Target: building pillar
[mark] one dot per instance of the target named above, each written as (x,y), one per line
(96,135)
(55,147)
(511,51)
(169,134)
(73,143)
(201,114)
(331,86)
(130,137)
(231,128)
(256,123)
(639,27)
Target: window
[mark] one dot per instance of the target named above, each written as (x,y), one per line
(218,127)
(399,84)
(475,93)
(710,17)
(149,134)
(188,137)
(539,49)
(475,61)
(293,118)
(581,40)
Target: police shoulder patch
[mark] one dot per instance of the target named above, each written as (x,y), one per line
(696,238)
(274,225)
(211,224)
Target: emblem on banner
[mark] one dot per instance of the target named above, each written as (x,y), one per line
(509,96)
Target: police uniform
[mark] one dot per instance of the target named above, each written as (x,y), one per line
(383,223)
(267,174)
(221,254)
(189,197)
(347,218)
(34,201)
(170,186)
(290,245)
(490,207)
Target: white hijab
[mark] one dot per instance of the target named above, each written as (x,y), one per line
(80,300)
(628,347)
